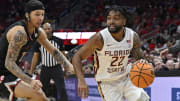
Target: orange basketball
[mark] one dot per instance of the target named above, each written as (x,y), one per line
(142,74)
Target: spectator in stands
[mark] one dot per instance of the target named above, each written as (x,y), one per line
(170,64)
(177,66)
(165,35)
(169,56)
(87,70)
(152,45)
(174,49)
(160,66)
(178,57)
(26,67)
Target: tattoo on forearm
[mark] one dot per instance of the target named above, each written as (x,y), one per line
(60,58)
(18,72)
(13,51)
(139,54)
(137,51)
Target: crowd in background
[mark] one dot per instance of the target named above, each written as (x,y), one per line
(156,22)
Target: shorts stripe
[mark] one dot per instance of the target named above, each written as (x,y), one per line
(11,86)
(96,63)
(100,90)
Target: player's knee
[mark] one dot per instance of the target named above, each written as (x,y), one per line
(40,96)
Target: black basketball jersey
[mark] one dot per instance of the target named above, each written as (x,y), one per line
(4,45)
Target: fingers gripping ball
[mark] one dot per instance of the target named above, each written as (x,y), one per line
(142,74)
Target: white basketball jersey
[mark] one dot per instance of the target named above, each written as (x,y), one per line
(111,62)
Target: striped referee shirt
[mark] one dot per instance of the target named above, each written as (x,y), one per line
(46,58)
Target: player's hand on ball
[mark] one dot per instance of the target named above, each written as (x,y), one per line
(142,74)
(83,89)
(36,84)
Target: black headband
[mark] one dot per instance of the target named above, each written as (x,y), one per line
(34,5)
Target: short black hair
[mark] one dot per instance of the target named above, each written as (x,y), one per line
(117,9)
(127,15)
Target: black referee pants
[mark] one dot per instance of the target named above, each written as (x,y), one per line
(57,75)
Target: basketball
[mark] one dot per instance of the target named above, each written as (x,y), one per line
(142,74)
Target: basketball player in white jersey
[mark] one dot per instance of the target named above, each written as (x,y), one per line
(111,47)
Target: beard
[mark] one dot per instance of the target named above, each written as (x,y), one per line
(114,30)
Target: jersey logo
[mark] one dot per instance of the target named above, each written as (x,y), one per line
(128,41)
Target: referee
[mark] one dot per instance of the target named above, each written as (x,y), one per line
(50,68)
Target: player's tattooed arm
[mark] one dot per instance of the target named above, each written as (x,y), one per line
(15,44)
(137,51)
(60,58)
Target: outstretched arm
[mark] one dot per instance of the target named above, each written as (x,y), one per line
(16,41)
(95,42)
(137,51)
(60,58)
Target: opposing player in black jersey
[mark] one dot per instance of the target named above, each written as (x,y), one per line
(18,38)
